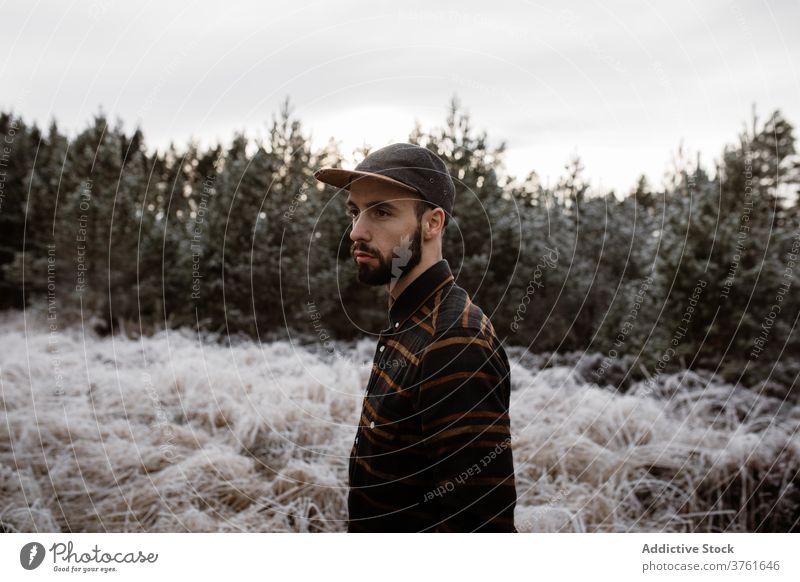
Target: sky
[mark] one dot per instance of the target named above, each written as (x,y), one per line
(621,84)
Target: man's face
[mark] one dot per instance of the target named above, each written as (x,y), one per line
(387,237)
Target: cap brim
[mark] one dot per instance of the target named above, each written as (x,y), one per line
(342,178)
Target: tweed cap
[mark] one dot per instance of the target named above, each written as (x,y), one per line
(407,166)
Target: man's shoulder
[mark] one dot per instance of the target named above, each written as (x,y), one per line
(457,315)
(462,336)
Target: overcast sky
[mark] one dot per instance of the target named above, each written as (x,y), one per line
(619,83)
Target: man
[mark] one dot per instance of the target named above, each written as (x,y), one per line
(432,451)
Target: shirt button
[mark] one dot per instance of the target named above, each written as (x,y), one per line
(381,348)
(372,424)
(397,324)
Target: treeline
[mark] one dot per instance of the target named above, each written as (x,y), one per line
(241,240)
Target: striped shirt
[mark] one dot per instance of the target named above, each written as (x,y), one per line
(432,451)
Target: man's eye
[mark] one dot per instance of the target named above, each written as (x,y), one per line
(381,212)
(351,213)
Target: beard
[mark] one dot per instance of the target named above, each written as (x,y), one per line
(408,257)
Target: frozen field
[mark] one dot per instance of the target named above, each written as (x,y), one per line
(168,434)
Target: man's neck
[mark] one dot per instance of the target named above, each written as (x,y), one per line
(408,278)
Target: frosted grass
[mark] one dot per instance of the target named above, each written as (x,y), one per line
(171,434)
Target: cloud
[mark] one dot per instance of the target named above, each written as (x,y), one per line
(540,75)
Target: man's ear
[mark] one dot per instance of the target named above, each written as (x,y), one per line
(434,223)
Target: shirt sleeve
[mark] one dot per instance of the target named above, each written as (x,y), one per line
(463,404)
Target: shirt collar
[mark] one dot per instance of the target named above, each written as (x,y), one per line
(418,292)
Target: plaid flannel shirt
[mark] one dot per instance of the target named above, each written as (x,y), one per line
(432,451)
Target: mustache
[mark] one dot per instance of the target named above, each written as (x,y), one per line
(362,249)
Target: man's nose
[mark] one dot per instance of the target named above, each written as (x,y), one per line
(359,230)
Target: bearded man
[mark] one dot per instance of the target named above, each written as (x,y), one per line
(432,451)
